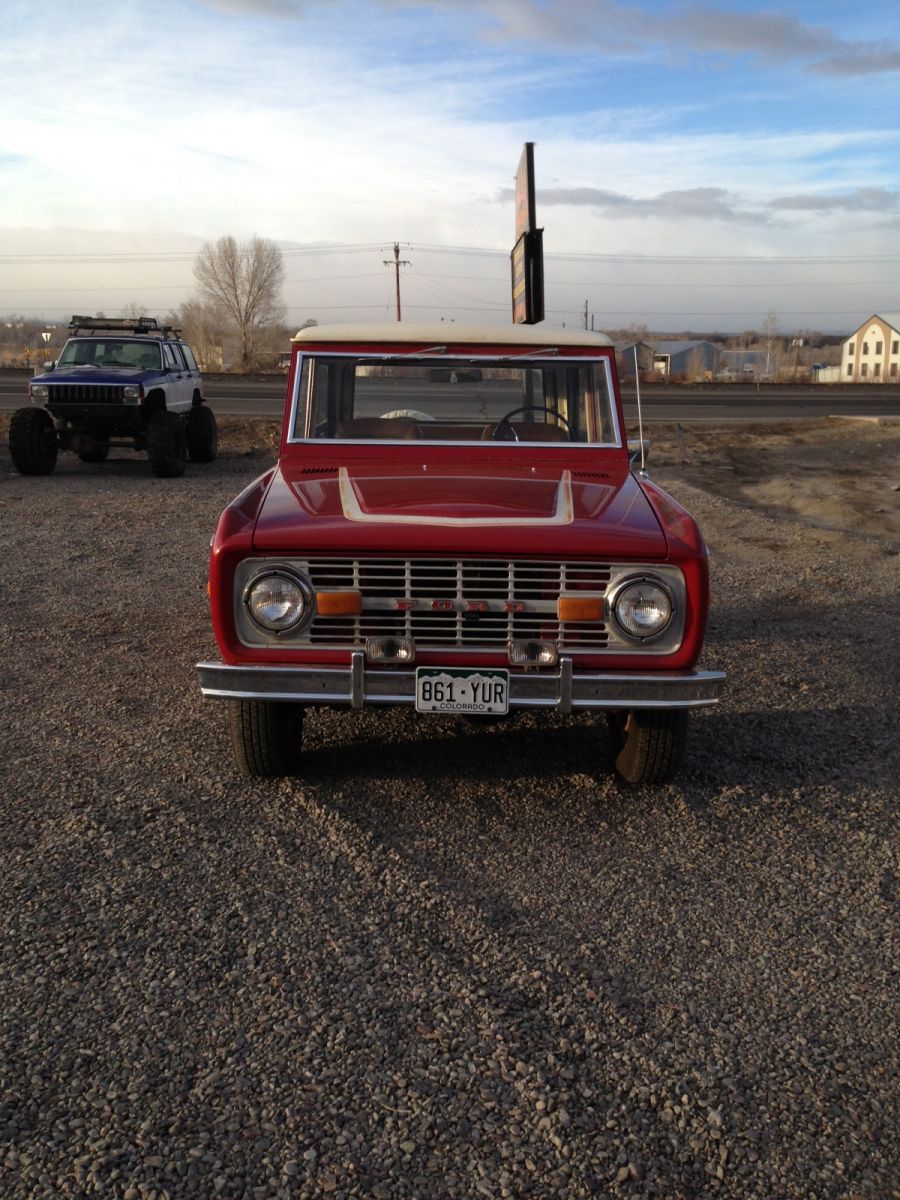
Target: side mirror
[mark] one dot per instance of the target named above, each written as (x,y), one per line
(48,366)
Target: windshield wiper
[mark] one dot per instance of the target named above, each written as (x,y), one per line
(534,353)
(419,353)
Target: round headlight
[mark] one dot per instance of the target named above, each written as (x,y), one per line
(277,601)
(643,609)
(39,391)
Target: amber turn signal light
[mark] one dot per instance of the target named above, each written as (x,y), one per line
(338,604)
(580,608)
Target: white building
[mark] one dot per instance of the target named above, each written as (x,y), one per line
(872,353)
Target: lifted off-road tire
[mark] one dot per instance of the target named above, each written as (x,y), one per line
(33,444)
(266,737)
(167,445)
(202,434)
(647,744)
(98,452)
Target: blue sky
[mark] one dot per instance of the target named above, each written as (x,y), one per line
(698,164)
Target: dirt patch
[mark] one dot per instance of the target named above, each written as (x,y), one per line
(832,474)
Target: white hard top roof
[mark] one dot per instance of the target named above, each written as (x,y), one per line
(451,333)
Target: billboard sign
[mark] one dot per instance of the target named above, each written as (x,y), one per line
(525,214)
(527,257)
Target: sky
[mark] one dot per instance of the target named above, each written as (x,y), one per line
(698,165)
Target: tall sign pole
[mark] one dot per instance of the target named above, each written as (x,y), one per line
(527,258)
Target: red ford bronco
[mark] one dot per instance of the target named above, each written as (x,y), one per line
(455,524)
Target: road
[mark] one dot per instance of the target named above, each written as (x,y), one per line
(237,397)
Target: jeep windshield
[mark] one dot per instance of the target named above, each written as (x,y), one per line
(511,398)
(110,352)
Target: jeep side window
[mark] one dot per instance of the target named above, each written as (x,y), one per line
(189,356)
(173,358)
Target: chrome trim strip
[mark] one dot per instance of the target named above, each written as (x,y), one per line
(564,690)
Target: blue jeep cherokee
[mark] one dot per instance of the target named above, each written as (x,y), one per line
(117,382)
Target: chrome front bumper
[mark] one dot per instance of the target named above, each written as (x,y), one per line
(563,690)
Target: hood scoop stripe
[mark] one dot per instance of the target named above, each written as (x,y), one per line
(563,514)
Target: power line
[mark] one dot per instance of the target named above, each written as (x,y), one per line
(628,258)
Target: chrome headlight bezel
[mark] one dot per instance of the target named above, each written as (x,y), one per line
(39,391)
(617,595)
(306,601)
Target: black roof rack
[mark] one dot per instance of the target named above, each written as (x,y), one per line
(145,325)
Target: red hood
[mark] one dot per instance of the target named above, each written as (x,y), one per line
(453,508)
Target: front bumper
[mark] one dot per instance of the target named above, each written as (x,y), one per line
(563,690)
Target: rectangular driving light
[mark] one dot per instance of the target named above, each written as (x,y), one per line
(390,650)
(338,604)
(532,654)
(580,607)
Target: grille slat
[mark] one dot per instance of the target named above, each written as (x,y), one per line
(495,583)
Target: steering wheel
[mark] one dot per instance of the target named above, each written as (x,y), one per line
(504,423)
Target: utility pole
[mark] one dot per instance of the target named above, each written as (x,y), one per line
(397,263)
(585,314)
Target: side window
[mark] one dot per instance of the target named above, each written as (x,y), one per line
(173,358)
(189,357)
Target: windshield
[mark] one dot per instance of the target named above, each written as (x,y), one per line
(109,352)
(484,400)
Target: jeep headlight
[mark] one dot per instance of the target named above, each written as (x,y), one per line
(39,391)
(132,391)
(643,608)
(279,600)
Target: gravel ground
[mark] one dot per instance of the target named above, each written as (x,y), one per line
(454,960)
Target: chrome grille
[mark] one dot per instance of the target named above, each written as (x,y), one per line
(86,393)
(427,599)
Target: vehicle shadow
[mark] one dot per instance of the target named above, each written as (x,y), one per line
(763,751)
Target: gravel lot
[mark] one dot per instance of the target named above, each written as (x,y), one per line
(455,960)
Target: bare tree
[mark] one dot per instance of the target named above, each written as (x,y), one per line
(243,279)
(204,326)
(770,331)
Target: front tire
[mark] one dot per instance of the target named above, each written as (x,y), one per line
(266,737)
(647,744)
(33,444)
(202,434)
(166,445)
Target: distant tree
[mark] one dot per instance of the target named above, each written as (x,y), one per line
(243,280)
(770,333)
(204,327)
(696,366)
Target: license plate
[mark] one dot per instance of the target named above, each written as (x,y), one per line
(457,690)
